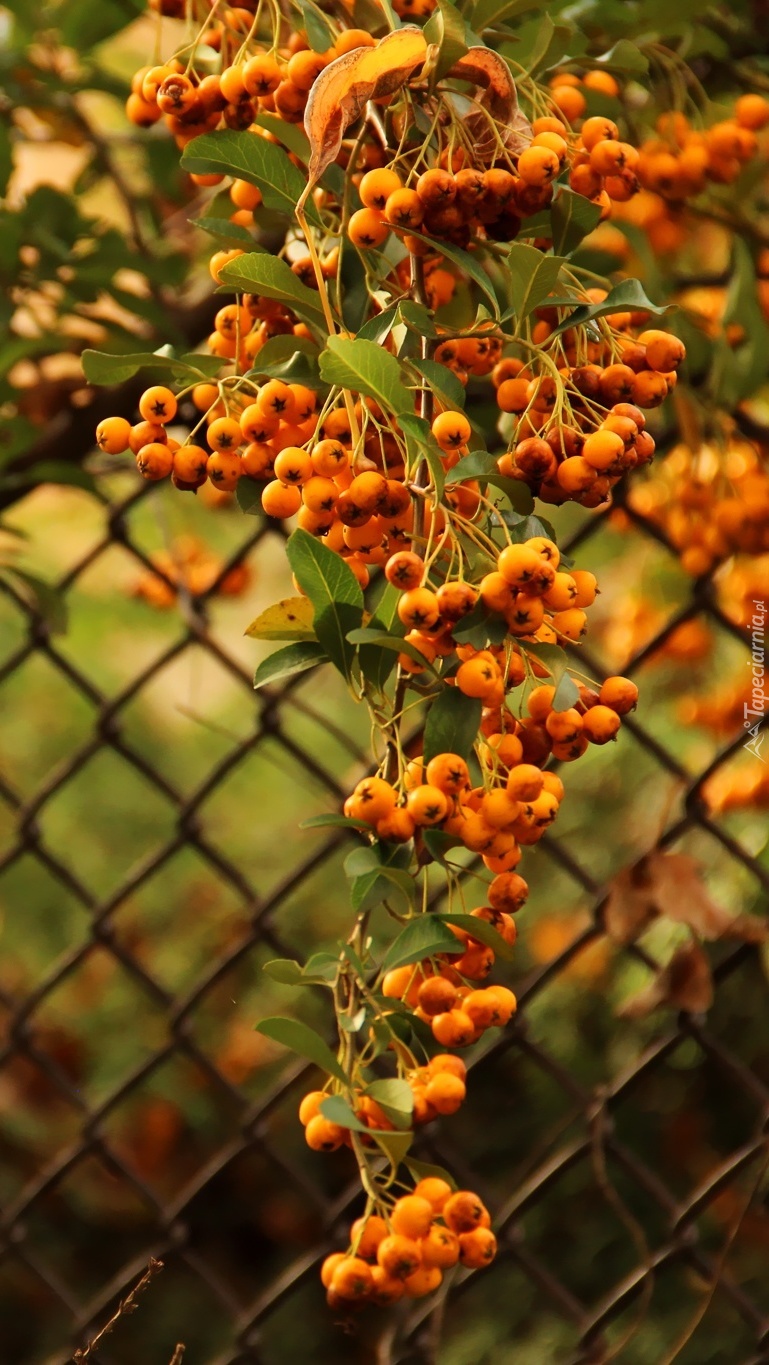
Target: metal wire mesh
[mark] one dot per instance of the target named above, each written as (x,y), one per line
(600,1208)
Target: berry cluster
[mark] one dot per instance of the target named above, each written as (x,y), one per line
(406,1251)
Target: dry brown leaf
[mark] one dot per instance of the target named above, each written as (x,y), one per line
(489,73)
(671,884)
(685,984)
(341,92)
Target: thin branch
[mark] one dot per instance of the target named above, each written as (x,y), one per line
(127,1305)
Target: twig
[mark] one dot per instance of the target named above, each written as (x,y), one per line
(127,1305)
(178,1355)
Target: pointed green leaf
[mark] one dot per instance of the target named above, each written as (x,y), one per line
(452,724)
(627,295)
(257,273)
(337,1110)
(483,931)
(286,662)
(331,822)
(572,217)
(250,157)
(304,1041)
(391,642)
(446,28)
(552,656)
(442,381)
(396,1098)
(285,970)
(334,592)
(394,1145)
(566,693)
(421,938)
(422,1169)
(366,368)
(467,264)
(479,464)
(230,234)
(377,664)
(319,35)
(532,277)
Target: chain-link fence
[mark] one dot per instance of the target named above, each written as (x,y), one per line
(152,862)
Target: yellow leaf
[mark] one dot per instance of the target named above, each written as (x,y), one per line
(341,91)
(290,619)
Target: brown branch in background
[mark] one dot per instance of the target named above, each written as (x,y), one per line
(178,1355)
(127,1305)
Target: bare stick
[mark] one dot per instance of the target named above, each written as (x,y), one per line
(127,1305)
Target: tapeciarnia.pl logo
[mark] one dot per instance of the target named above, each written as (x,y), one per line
(755,709)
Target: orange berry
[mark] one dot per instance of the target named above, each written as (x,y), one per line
(600,724)
(398,1256)
(441,1246)
(377,186)
(411,1216)
(329,1266)
(310,1107)
(427,805)
(425,1280)
(464,1211)
(477,1248)
(280,501)
(451,430)
(437,995)
(322,1135)
(351,1278)
(113,435)
(445,1092)
(367,229)
(453,1029)
(366,1234)
(434,1190)
(619,694)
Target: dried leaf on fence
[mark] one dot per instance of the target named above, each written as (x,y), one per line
(491,74)
(686,984)
(671,884)
(341,92)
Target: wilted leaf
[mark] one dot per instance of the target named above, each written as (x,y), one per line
(685,984)
(490,74)
(671,884)
(290,619)
(341,92)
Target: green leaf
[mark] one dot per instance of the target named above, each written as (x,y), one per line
(319,35)
(566,693)
(304,1041)
(248,496)
(291,619)
(452,724)
(374,870)
(285,970)
(532,277)
(391,642)
(82,24)
(331,822)
(438,843)
(231,234)
(422,1169)
(376,664)
(572,217)
(394,1145)
(337,1110)
(334,592)
(286,662)
(366,368)
(442,381)
(479,464)
(526,528)
(446,28)
(250,157)
(552,656)
(421,444)
(378,328)
(626,57)
(467,265)
(292,135)
(490,13)
(627,295)
(483,931)
(99,367)
(417,317)
(421,938)
(481,627)
(395,1098)
(257,273)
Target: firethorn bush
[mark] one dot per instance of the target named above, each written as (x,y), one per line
(433,228)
